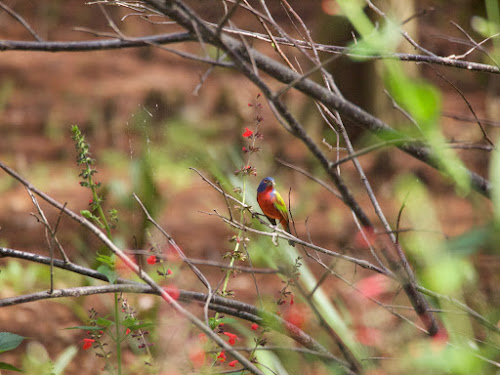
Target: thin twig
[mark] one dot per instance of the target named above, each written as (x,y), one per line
(210,263)
(285,235)
(130,264)
(21,20)
(469,105)
(477,45)
(181,254)
(403,33)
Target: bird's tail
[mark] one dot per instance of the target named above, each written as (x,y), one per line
(287,228)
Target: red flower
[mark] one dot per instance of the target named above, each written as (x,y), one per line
(232,338)
(247,133)
(127,331)
(368,336)
(373,286)
(439,340)
(87,343)
(297,314)
(152,259)
(169,271)
(197,356)
(254,326)
(221,357)
(173,292)
(233,363)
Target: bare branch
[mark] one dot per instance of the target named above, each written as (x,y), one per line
(21,20)
(469,105)
(134,267)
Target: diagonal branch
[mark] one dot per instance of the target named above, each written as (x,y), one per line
(244,56)
(135,268)
(21,20)
(228,306)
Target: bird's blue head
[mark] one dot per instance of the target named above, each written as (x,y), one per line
(265,183)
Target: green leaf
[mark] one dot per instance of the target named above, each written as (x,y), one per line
(106,259)
(384,40)
(86,214)
(227,320)
(484,27)
(448,275)
(86,328)
(468,243)
(135,327)
(6,366)
(108,272)
(104,322)
(9,341)
(419,98)
(64,359)
(129,322)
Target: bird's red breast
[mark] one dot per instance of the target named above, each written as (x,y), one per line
(266,200)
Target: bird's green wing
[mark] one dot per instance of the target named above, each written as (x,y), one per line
(280,205)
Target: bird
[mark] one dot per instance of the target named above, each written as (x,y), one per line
(272,205)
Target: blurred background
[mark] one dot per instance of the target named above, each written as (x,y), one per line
(150,115)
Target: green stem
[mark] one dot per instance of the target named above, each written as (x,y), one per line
(118,338)
(95,197)
(236,247)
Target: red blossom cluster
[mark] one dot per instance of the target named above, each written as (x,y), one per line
(222,357)
(232,338)
(152,259)
(87,343)
(247,133)
(173,292)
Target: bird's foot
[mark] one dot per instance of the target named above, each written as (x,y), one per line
(275,239)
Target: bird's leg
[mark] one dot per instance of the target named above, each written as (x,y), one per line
(275,239)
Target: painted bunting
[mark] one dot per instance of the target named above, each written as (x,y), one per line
(272,205)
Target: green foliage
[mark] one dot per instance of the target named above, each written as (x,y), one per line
(469,243)
(436,359)
(107,267)
(36,359)
(7,366)
(440,269)
(23,278)
(423,102)
(9,341)
(420,99)
(488,28)
(86,328)
(83,159)
(64,359)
